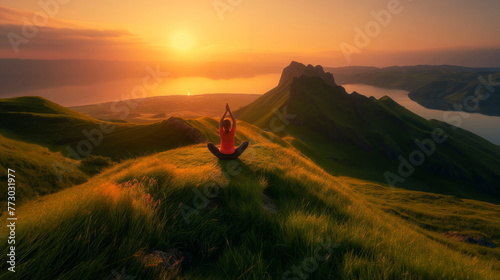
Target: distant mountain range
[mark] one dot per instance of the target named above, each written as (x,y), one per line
(443,87)
(157,108)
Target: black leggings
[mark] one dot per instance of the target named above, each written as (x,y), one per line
(234,155)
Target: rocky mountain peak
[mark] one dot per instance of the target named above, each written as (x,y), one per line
(297,69)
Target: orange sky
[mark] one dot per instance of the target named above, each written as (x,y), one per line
(418,32)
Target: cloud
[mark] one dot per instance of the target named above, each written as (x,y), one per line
(10,16)
(19,17)
(61,40)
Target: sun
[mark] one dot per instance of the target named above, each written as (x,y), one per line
(182,41)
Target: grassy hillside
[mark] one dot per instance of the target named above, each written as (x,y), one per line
(262,217)
(361,137)
(43,122)
(40,121)
(38,170)
(435,213)
(447,94)
(39,105)
(262,110)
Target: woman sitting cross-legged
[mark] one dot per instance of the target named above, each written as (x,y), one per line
(227,133)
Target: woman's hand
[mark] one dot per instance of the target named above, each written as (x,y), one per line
(231,114)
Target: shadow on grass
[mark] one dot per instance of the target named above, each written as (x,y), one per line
(254,229)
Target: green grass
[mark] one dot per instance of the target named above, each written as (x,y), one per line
(436,213)
(262,110)
(87,231)
(38,170)
(39,121)
(356,136)
(36,104)
(269,212)
(37,133)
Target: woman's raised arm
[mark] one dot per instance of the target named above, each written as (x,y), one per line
(222,119)
(231,114)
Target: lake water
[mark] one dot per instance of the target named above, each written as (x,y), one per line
(115,90)
(487,127)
